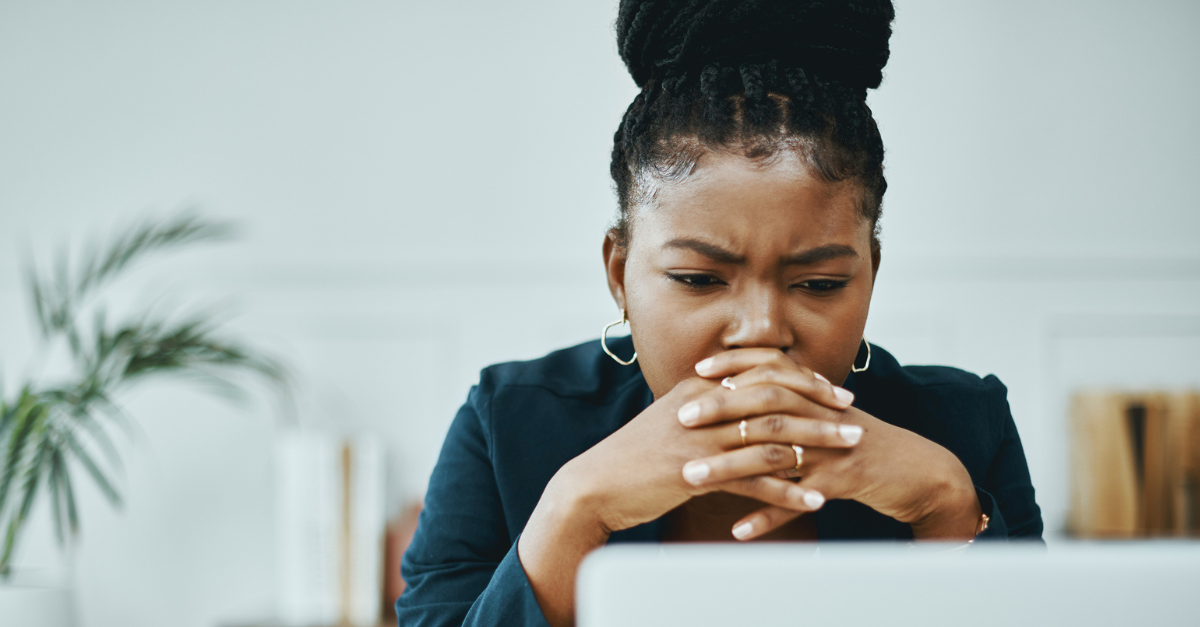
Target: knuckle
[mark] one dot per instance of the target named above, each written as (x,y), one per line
(832,417)
(775,424)
(838,466)
(773,454)
(770,372)
(769,395)
(755,485)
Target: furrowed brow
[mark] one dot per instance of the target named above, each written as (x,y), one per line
(819,254)
(712,251)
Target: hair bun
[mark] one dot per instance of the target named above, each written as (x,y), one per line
(845,41)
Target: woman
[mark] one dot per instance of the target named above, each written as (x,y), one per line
(745,405)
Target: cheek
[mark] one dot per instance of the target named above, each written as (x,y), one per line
(670,332)
(832,351)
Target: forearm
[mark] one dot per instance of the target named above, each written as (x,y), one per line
(560,532)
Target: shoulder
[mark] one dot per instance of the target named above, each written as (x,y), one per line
(886,374)
(954,407)
(539,414)
(582,372)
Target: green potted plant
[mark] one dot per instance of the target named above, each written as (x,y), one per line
(52,432)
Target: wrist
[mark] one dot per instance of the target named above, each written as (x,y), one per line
(955,514)
(573,504)
(560,532)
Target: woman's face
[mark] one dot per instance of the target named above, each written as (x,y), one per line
(740,254)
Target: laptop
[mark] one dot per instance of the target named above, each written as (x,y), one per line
(887,585)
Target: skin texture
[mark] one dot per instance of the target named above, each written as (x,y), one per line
(758,271)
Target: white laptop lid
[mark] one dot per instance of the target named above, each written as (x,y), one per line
(887,585)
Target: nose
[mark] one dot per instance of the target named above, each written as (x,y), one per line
(758,320)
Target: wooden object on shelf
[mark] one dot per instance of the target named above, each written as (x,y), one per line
(1103,492)
(1135,464)
(1183,460)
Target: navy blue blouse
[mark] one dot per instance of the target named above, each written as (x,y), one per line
(525,420)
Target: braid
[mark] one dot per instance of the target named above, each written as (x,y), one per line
(749,76)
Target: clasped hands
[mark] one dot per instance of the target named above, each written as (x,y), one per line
(690,442)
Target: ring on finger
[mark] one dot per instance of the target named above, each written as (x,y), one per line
(742,431)
(727,382)
(799,456)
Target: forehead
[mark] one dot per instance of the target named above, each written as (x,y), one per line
(754,205)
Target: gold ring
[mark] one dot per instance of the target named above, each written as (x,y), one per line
(742,430)
(727,382)
(799,457)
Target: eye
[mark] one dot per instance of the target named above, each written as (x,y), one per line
(822,285)
(696,281)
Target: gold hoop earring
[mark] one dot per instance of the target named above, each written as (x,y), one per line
(604,341)
(867,363)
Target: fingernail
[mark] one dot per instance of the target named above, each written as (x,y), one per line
(796,494)
(695,472)
(814,500)
(689,413)
(743,531)
(704,366)
(850,433)
(727,382)
(818,375)
(843,395)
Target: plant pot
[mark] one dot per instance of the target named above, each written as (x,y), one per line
(31,605)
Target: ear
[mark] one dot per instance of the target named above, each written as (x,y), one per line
(875,256)
(614,267)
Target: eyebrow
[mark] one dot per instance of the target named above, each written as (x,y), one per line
(803,258)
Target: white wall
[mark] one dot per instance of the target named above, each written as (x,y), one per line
(423,189)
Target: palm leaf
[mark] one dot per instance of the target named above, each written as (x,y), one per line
(68,495)
(55,302)
(186,228)
(8,417)
(93,469)
(10,539)
(16,520)
(106,407)
(54,481)
(41,308)
(98,435)
(28,413)
(78,408)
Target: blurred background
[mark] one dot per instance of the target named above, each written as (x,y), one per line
(422,190)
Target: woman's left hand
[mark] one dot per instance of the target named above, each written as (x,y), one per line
(891,470)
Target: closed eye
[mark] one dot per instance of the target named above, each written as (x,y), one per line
(822,285)
(696,281)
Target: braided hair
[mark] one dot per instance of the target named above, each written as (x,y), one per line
(751,77)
